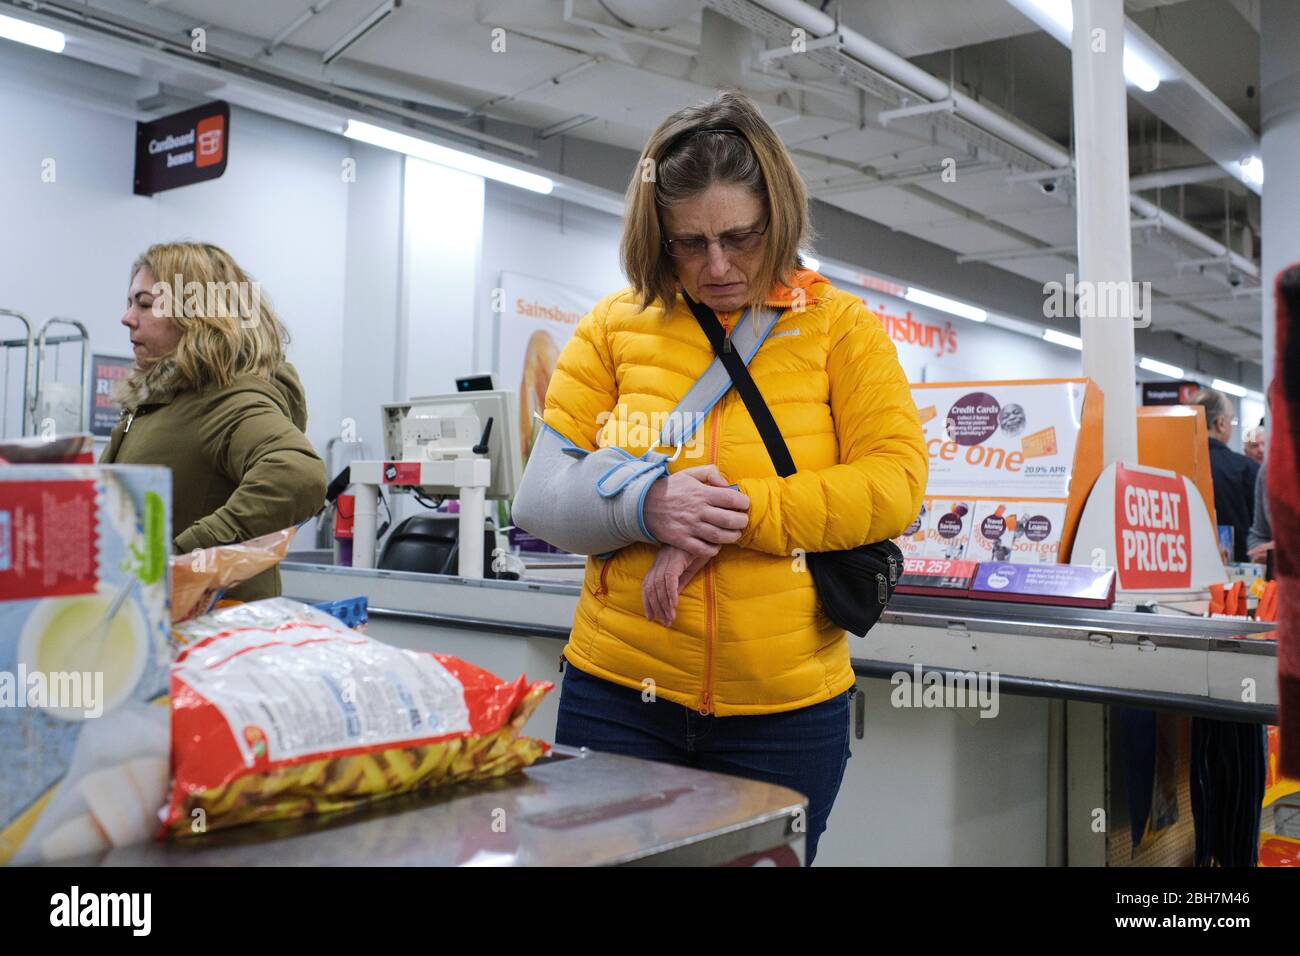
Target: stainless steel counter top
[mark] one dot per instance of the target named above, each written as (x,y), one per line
(576,808)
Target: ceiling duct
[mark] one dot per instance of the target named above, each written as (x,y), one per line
(996,126)
(726,51)
(652,14)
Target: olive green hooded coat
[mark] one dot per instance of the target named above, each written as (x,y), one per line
(241,464)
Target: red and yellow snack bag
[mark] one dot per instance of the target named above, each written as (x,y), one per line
(279,710)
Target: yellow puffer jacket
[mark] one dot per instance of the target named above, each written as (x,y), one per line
(748,637)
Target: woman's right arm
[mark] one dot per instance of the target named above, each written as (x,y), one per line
(576,496)
(591,500)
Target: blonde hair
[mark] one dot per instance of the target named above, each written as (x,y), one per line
(724,140)
(227,326)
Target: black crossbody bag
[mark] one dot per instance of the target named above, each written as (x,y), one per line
(853,586)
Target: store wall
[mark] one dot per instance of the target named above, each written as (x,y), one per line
(369,354)
(69,244)
(547,239)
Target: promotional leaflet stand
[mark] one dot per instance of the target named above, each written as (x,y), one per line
(463,445)
(1151,525)
(1011,463)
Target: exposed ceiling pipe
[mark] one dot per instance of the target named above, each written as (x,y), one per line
(1176,177)
(929,89)
(293,27)
(1069,249)
(1171,92)
(565,74)
(652,14)
(628,35)
(932,89)
(371,20)
(927,173)
(1193,236)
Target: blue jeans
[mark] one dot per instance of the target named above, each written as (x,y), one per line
(805,749)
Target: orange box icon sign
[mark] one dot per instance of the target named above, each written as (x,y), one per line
(210,135)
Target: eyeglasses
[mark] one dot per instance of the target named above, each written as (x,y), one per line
(692,247)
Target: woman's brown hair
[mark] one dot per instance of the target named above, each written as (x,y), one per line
(681,159)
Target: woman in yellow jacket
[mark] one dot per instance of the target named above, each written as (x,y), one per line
(698,638)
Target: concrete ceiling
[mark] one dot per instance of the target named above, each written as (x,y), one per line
(615,68)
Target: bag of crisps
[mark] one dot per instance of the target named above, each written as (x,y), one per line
(279,710)
(202,576)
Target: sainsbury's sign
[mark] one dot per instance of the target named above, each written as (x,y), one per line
(903,327)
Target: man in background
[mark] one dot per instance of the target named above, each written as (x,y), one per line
(1233,473)
(1252,443)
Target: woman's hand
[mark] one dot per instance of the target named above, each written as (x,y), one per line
(695,510)
(672,570)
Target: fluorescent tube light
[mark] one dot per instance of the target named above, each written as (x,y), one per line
(1139,72)
(1228,387)
(1252,167)
(1161,368)
(445,156)
(921,297)
(811,263)
(20,31)
(1060,338)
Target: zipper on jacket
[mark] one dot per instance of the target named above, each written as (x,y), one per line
(710,599)
(604,583)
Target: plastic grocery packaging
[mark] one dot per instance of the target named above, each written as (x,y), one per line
(84,657)
(279,710)
(202,576)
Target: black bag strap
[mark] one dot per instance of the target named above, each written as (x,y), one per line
(744,383)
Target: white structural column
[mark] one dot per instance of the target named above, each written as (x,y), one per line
(1279,86)
(1105,265)
(1105,252)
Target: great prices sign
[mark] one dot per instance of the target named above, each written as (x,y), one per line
(1151,525)
(1152,530)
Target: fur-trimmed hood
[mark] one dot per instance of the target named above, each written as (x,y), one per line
(161,382)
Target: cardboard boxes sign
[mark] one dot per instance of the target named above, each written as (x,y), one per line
(1011,463)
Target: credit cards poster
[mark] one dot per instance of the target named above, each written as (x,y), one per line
(990,440)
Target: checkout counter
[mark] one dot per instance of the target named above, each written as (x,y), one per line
(571,808)
(924,786)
